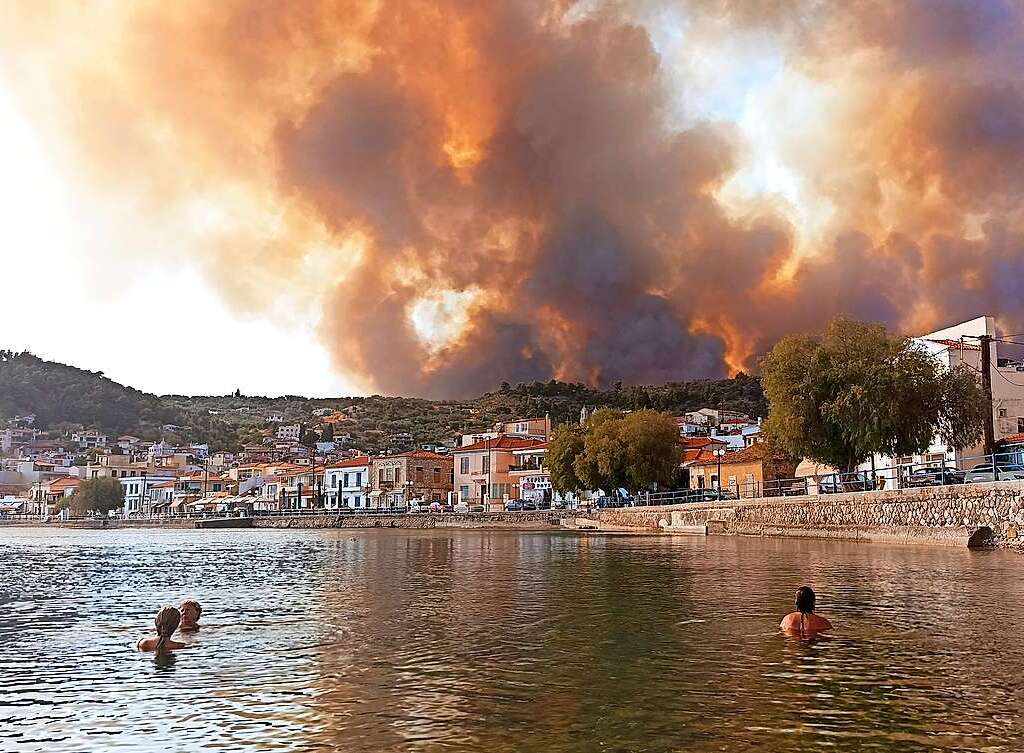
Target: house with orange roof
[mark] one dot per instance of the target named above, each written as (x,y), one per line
(482,469)
(347,484)
(397,480)
(744,472)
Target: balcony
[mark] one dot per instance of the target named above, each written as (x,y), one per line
(527,468)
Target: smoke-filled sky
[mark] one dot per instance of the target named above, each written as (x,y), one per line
(432,196)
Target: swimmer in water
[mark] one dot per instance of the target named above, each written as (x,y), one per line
(804,622)
(166,622)
(190,614)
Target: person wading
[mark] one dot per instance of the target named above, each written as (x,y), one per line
(166,622)
(804,622)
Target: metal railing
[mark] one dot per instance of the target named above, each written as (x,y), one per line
(1003,465)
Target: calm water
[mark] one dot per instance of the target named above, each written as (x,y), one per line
(493,641)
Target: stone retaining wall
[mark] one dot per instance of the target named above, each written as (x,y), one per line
(948,515)
(532,521)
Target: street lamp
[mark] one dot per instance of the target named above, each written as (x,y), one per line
(718,452)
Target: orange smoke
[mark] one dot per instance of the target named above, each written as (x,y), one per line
(484,192)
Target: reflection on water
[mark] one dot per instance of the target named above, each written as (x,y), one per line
(500,641)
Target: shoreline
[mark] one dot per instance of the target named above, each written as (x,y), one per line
(971,515)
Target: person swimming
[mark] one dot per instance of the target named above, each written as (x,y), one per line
(166,622)
(804,622)
(191,611)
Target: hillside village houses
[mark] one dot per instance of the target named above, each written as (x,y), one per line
(483,469)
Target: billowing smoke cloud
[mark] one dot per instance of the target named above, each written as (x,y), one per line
(527,189)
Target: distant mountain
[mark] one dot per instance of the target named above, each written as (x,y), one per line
(60,395)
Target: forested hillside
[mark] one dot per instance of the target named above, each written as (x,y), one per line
(59,394)
(62,395)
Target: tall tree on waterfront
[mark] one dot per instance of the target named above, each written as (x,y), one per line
(857,390)
(616,450)
(97,495)
(565,445)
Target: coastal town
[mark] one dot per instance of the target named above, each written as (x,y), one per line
(298,468)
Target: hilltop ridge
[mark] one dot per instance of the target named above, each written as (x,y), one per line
(63,396)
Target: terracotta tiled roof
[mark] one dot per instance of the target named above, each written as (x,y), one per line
(747,455)
(1013,439)
(422,455)
(351,462)
(64,483)
(503,442)
(954,344)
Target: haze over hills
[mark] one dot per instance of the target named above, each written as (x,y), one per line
(62,396)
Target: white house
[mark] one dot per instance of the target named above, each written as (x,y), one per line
(347,484)
(89,438)
(289,432)
(951,347)
(138,492)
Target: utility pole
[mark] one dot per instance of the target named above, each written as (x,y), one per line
(986,385)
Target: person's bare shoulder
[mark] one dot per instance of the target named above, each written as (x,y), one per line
(821,623)
(789,621)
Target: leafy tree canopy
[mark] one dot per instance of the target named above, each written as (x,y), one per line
(97,495)
(634,451)
(856,390)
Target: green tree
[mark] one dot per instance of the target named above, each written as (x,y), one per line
(327,434)
(565,446)
(651,452)
(97,495)
(856,390)
(634,451)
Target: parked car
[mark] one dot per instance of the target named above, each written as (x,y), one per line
(514,505)
(713,495)
(461,508)
(938,476)
(840,483)
(476,508)
(436,507)
(984,472)
(529,505)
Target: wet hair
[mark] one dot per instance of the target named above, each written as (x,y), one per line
(805,600)
(166,622)
(192,604)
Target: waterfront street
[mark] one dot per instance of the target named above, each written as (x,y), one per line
(505,641)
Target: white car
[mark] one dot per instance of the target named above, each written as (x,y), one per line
(462,508)
(979,474)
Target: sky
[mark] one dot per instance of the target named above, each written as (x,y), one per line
(430,197)
(154,325)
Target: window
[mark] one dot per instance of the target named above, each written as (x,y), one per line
(1020,425)
(1002,412)
(420,476)
(437,476)
(463,492)
(464,463)
(732,481)
(398,475)
(334,480)
(380,475)
(486,466)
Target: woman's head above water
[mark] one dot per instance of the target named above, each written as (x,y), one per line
(167,621)
(805,600)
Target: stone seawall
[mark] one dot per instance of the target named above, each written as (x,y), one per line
(949,515)
(529,521)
